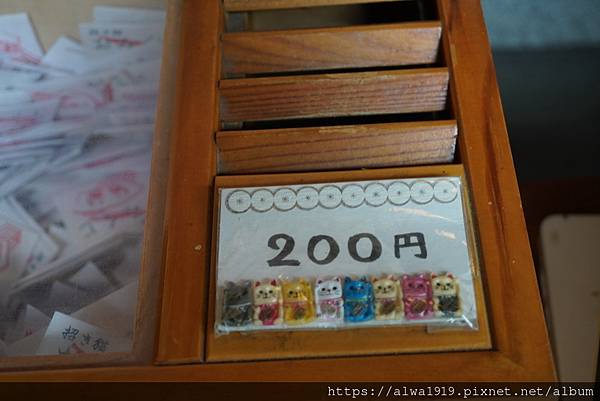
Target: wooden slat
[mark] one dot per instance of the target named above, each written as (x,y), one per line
(253,5)
(328,95)
(339,147)
(328,48)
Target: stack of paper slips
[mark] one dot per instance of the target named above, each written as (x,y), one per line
(76,125)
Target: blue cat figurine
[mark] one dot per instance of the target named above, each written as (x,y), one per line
(358,300)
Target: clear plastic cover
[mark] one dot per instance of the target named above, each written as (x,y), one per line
(344,255)
(76,127)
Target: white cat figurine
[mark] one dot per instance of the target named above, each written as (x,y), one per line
(328,298)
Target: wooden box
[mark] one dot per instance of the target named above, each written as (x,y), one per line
(409,78)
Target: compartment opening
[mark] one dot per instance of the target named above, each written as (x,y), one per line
(332,16)
(438,63)
(341,120)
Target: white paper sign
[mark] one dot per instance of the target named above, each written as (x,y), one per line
(67,335)
(16,118)
(18,40)
(27,345)
(16,245)
(29,322)
(129,15)
(103,36)
(402,226)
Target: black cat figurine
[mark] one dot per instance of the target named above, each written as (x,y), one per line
(237,304)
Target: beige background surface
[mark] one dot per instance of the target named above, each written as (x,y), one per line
(572,275)
(53,18)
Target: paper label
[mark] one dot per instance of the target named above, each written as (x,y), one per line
(18,40)
(102,36)
(128,15)
(66,335)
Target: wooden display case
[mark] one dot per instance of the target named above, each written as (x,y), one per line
(417,83)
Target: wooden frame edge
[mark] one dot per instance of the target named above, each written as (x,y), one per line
(452,366)
(519,332)
(235,6)
(190,186)
(521,346)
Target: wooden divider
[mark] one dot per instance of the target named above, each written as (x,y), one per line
(326,48)
(251,5)
(328,95)
(337,147)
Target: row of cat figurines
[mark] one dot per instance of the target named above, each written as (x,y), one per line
(336,299)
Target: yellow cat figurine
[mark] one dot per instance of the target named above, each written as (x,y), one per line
(298,304)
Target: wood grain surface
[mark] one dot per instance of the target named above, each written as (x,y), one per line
(514,305)
(327,95)
(520,346)
(251,5)
(187,223)
(337,147)
(431,367)
(320,49)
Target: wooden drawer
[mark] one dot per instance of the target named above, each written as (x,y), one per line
(232,102)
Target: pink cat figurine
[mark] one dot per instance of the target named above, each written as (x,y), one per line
(417,296)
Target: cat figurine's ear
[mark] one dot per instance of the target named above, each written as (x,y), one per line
(405,277)
(347,280)
(319,281)
(450,276)
(433,275)
(229,285)
(364,279)
(273,282)
(336,278)
(257,283)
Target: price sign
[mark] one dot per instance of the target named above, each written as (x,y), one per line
(363,228)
